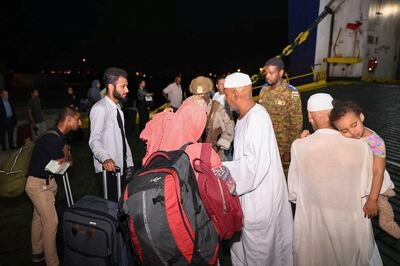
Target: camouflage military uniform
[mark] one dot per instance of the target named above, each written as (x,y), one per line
(284,107)
(219,128)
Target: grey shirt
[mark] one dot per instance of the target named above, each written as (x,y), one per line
(174,93)
(93,95)
(105,139)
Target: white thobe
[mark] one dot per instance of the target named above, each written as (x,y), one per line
(328,175)
(266,237)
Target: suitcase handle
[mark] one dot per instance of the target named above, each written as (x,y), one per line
(118,174)
(68,192)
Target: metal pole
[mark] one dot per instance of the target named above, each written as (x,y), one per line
(330,44)
(105,184)
(66,191)
(71,199)
(118,173)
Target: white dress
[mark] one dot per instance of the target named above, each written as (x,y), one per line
(266,238)
(328,176)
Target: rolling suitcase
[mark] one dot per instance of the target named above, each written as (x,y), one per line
(62,204)
(91,232)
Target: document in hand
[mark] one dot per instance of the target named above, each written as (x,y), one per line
(54,167)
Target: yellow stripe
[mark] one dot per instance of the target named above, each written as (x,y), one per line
(343,60)
(301,76)
(312,86)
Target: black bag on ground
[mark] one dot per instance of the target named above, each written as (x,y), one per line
(167,220)
(92,235)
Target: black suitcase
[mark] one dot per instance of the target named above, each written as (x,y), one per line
(64,200)
(92,235)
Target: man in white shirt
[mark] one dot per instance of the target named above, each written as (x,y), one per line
(220,94)
(266,237)
(328,180)
(173,93)
(107,134)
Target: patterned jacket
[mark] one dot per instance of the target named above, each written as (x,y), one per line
(219,128)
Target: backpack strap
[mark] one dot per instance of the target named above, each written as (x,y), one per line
(197,259)
(213,109)
(291,87)
(47,133)
(205,153)
(185,145)
(123,223)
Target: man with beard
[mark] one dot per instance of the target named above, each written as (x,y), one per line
(283,104)
(107,134)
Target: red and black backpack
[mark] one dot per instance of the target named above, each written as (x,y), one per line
(167,221)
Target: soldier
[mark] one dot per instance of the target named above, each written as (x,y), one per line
(220,126)
(282,102)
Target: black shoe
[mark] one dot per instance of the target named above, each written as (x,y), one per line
(38,258)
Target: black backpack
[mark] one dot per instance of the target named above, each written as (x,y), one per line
(168,223)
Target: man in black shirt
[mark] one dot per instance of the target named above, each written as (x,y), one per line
(41,187)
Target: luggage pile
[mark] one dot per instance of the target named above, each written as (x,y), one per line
(165,217)
(171,221)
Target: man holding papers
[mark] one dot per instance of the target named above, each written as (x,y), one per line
(41,188)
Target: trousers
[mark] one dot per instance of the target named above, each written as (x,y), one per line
(44,220)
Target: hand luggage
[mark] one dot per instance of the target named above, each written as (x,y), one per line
(118,180)
(62,204)
(14,170)
(167,220)
(92,234)
(222,207)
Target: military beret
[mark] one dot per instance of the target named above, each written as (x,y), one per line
(201,85)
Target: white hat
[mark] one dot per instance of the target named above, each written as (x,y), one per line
(319,102)
(237,80)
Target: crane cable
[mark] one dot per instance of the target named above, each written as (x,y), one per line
(302,37)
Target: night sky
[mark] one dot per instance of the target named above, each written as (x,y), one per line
(157,37)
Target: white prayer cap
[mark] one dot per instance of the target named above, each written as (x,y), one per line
(319,102)
(237,80)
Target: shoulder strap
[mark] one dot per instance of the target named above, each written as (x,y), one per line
(184,146)
(214,107)
(205,154)
(291,87)
(47,133)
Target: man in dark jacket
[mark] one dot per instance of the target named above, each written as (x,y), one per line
(8,121)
